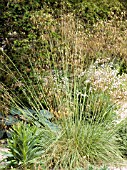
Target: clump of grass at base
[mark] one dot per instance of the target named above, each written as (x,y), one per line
(82,144)
(85,140)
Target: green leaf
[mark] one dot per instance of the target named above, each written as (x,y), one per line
(46,114)
(15,111)
(2,133)
(10,120)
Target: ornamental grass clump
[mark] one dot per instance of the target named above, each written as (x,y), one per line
(87,136)
(84,119)
(82,144)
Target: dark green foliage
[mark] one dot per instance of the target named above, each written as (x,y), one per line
(93,11)
(16,16)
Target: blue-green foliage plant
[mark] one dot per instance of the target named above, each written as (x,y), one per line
(40,118)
